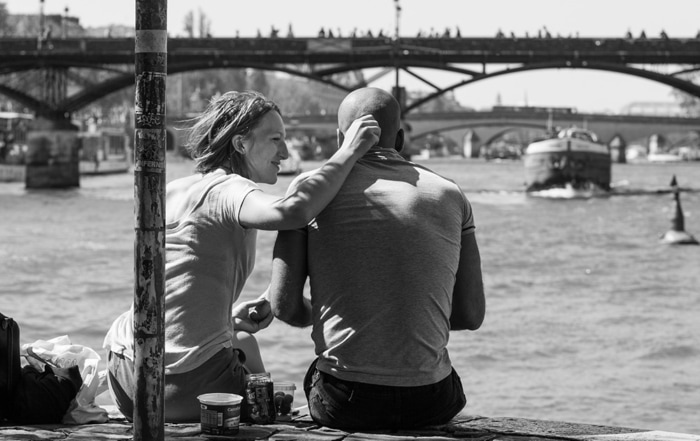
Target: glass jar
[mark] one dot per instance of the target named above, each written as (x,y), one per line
(260,398)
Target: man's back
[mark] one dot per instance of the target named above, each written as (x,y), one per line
(394,266)
(382,260)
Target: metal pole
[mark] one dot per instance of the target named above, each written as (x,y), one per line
(64,23)
(149,205)
(396,41)
(398,93)
(42,25)
(398,13)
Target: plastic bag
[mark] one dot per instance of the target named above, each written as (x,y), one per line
(61,352)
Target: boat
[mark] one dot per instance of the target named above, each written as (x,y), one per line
(571,164)
(662,150)
(291,165)
(99,151)
(664,157)
(104,151)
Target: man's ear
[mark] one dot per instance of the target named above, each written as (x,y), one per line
(340,137)
(237,144)
(399,140)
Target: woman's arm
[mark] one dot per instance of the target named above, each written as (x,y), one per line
(311,195)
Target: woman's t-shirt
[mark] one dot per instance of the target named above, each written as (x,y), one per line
(209,257)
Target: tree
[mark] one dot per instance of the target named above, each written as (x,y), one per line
(4,23)
(688,103)
(258,81)
(189,24)
(204,25)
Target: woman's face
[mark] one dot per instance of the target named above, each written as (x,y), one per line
(265,148)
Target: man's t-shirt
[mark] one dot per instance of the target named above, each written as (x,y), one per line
(383,257)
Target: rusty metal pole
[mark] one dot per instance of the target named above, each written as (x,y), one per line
(149,205)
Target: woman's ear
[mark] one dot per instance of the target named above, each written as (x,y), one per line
(237,144)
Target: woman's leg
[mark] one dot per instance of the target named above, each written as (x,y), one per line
(247,343)
(120,380)
(222,373)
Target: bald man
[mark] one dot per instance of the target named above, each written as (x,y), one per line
(393,266)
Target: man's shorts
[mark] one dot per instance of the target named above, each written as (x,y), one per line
(351,405)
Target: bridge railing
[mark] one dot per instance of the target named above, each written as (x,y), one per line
(452,45)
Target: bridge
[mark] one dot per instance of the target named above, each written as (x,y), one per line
(489,125)
(483,128)
(318,59)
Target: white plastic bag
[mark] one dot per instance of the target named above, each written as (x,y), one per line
(61,352)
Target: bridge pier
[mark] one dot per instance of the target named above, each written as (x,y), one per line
(52,156)
(471,145)
(618,149)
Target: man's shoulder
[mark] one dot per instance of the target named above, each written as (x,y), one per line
(437,176)
(301,177)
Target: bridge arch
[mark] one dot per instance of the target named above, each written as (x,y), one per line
(92,94)
(669,80)
(500,134)
(477,124)
(124,79)
(21,97)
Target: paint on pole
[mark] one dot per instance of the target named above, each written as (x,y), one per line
(149,218)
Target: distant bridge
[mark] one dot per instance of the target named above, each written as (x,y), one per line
(319,59)
(487,126)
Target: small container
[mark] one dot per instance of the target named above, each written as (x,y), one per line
(260,398)
(284,400)
(220,414)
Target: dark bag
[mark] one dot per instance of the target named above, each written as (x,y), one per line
(9,363)
(28,396)
(44,397)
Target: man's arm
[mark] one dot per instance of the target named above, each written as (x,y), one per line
(289,271)
(468,302)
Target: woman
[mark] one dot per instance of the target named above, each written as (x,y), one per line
(211,222)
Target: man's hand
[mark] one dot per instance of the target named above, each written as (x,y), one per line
(252,316)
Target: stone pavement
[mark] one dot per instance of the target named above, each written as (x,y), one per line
(473,428)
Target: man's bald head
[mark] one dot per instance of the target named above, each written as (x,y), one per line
(382,106)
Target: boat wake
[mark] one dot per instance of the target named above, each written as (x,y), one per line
(569,191)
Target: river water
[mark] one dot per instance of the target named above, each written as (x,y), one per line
(589,318)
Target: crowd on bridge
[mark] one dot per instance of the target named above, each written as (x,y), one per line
(356,33)
(448,32)
(545,33)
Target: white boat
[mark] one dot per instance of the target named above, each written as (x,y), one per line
(104,151)
(664,157)
(660,151)
(571,164)
(291,165)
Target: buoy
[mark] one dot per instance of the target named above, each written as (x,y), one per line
(677,234)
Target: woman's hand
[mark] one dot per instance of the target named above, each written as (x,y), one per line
(252,316)
(362,135)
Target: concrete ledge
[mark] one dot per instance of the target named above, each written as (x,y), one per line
(474,428)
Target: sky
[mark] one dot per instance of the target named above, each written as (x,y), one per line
(585,90)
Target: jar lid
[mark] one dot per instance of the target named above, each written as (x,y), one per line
(259,375)
(284,385)
(220,399)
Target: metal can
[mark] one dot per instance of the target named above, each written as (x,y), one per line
(260,398)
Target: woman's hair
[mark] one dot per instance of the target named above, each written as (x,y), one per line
(234,113)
